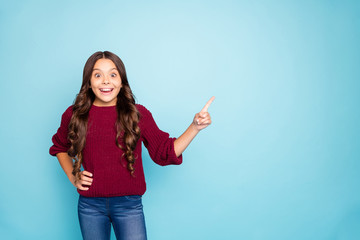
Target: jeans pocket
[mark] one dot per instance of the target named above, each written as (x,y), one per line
(133,197)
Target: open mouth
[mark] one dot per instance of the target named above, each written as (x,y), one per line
(106,90)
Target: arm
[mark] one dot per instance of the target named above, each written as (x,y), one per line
(181,143)
(201,121)
(59,149)
(158,143)
(67,165)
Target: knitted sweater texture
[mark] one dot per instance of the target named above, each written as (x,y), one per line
(104,159)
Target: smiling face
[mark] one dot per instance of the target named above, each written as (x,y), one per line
(105,82)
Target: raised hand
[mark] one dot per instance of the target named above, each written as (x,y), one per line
(203,119)
(85,180)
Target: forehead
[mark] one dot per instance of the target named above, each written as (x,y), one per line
(104,64)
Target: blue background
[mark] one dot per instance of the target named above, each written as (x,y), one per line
(282,157)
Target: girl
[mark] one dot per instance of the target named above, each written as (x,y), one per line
(103,132)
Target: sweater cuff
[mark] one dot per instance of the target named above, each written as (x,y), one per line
(174,159)
(55,150)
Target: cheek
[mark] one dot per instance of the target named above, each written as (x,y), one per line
(92,83)
(118,83)
(95,83)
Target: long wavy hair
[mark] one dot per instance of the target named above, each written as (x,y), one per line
(127,115)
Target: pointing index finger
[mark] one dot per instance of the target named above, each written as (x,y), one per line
(205,109)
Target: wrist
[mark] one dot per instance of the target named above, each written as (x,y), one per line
(72,179)
(194,127)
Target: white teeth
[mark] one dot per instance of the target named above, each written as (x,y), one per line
(105,89)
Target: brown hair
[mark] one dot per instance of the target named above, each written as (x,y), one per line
(127,115)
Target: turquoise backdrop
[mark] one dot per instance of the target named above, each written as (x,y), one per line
(282,157)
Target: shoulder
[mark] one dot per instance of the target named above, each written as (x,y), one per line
(145,118)
(66,116)
(142,110)
(69,111)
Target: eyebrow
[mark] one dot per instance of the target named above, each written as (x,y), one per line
(100,69)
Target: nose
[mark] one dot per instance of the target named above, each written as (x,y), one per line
(105,80)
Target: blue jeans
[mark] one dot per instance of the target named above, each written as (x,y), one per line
(96,214)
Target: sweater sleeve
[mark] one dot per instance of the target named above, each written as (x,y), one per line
(60,141)
(158,143)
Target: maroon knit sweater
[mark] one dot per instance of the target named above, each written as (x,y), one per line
(104,159)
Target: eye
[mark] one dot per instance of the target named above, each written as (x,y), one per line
(113,75)
(97,75)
